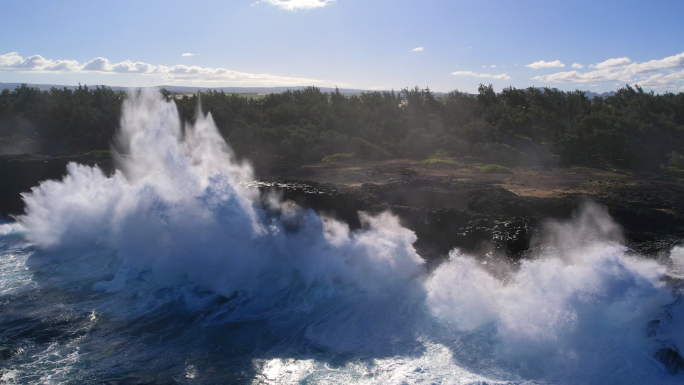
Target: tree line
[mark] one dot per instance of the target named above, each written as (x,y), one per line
(532,126)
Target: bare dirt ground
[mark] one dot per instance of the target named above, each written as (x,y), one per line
(552,182)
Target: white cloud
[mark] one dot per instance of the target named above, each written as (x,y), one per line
(12,62)
(418,49)
(662,81)
(675,61)
(97,64)
(657,74)
(576,76)
(293,5)
(188,54)
(476,75)
(492,66)
(544,64)
(612,63)
(577,65)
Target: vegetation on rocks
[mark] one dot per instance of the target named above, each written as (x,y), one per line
(338,158)
(436,162)
(495,169)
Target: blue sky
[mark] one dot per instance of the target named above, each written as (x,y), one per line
(367,44)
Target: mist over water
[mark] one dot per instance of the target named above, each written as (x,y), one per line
(173,267)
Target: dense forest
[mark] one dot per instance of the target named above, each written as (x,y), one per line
(533,126)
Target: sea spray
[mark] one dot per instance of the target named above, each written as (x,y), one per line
(175,265)
(578,311)
(177,211)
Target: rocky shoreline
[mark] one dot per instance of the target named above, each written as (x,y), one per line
(479,217)
(444,213)
(19,173)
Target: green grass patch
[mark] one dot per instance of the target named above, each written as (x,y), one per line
(673,171)
(441,154)
(338,158)
(100,153)
(496,169)
(434,162)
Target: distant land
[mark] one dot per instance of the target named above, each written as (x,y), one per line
(180,89)
(239,90)
(592,95)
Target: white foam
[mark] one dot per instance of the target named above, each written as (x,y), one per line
(677,258)
(10,228)
(576,314)
(435,366)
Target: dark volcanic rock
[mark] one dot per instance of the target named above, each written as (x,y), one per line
(499,201)
(651,214)
(472,215)
(19,173)
(342,205)
(439,230)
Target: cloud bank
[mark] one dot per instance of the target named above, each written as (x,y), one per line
(293,5)
(612,63)
(544,64)
(476,75)
(666,73)
(418,49)
(12,62)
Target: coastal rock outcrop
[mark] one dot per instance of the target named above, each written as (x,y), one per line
(19,173)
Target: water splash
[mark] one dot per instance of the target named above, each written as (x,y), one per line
(174,246)
(178,211)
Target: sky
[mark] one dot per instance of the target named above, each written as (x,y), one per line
(362,44)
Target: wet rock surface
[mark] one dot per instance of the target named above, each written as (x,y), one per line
(478,217)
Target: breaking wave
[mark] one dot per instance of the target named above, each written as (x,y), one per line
(171,270)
